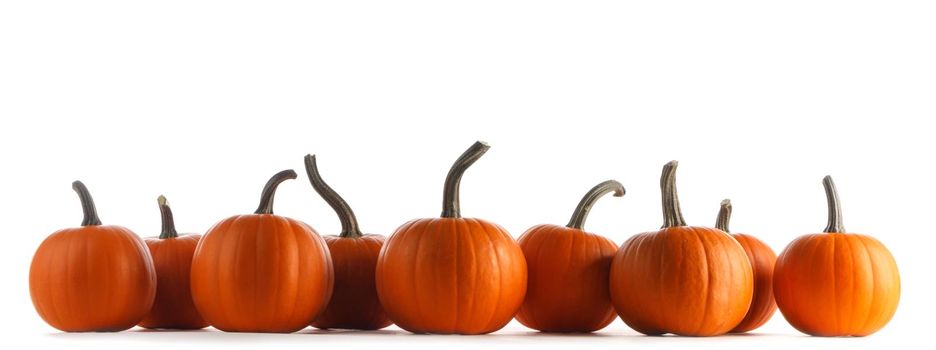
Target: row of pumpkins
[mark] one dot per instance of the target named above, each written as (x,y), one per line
(268,273)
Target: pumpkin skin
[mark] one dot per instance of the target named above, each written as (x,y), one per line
(568,268)
(354,303)
(836,283)
(261,272)
(451,274)
(762,260)
(92,278)
(172,258)
(685,280)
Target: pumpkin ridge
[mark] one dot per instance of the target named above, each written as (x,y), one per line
(416,265)
(500,277)
(661,321)
(873,291)
(835,304)
(708,280)
(456,236)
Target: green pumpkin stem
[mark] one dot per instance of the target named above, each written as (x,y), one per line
(450,201)
(87,205)
(588,201)
(168,223)
(835,209)
(349,225)
(724,215)
(269,190)
(672,215)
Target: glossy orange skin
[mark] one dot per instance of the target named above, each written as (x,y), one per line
(567,286)
(762,260)
(451,275)
(684,280)
(261,273)
(837,284)
(354,303)
(173,307)
(92,278)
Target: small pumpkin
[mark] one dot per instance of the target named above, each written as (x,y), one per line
(94,277)
(172,256)
(836,283)
(762,262)
(354,303)
(684,280)
(261,272)
(567,267)
(451,274)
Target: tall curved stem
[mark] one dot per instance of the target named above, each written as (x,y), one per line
(450,200)
(588,201)
(168,223)
(672,215)
(269,190)
(724,215)
(349,225)
(87,205)
(835,209)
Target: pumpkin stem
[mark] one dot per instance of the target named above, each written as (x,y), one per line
(87,205)
(450,202)
(585,205)
(168,224)
(724,215)
(835,209)
(672,215)
(266,197)
(349,225)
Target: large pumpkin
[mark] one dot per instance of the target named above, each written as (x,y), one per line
(172,257)
(836,283)
(92,278)
(261,272)
(567,289)
(354,303)
(451,274)
(762,263)
(684,280)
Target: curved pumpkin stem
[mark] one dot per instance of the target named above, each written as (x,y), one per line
(349,225)
(87,205)
(168,223)
(450,201)
(672,215)
(835,209)
(724,215)
(266,197)
(581,211)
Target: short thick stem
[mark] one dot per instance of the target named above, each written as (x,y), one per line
(724,215)
(349,225)
(588,201)
(87,205)
(168,223)
(450,200)
(835,208)
(269,190)
(672,215)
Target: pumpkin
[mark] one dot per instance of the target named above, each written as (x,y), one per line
(354,303)
(567,289)
(172,257)
(94,277)
(451,274)
(762,260)
(836,283)
(261,272)
(684,280)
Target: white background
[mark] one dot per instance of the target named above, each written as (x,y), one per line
(203,100)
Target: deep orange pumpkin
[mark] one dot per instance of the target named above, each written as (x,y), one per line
(354,303)
(92,278)
(681,279)
(567,287)
(261,272)
(172,257)
(762,262)
(836,283)
(451,274)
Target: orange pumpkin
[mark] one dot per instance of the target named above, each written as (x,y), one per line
(568,269)
(261,272)
(172,257)
(451,274)
(836,283)
(762,262)
(681,279)
(354,303)
(92,278)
